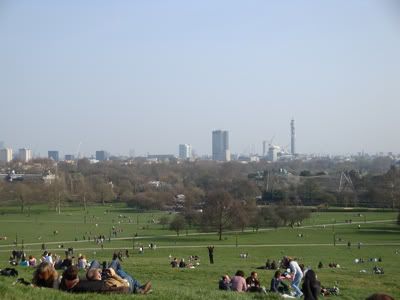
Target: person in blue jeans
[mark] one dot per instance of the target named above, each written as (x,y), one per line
(134,285)
(296,273)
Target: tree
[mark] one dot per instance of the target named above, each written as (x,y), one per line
(271,217)
(177,224)
(219,211)
(164,220)
(102,188)
(21,192)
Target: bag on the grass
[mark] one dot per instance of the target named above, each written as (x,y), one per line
(22,281)
(9,272)
(333,291)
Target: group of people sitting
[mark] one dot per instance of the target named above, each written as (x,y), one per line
(330,265)
(238,283)
(193,262)
(19,257)
(310,288)
(99,278)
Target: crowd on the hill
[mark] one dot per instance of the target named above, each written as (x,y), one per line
(294,281)
(102,278)
(291,279)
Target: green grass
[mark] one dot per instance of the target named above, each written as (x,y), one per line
(379,239)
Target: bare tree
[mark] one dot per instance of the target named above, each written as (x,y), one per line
(219,211)
(177,224)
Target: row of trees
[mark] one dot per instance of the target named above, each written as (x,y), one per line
(222,212)
(371,184)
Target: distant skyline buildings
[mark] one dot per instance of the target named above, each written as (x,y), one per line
(25,154)
(185,151)
(135,91)
(69,157)
(53,154)
(102,155)
(6,155)
(220,145)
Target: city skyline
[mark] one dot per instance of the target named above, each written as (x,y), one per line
(147,77)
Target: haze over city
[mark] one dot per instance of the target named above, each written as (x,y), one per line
(149,75)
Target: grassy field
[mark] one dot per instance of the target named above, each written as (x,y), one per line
(378,235)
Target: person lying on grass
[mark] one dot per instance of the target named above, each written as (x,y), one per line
(46,275)
(116,276)
(71,282)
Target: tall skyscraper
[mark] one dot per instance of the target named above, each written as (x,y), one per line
(25,155)
(6,155)
(185,151)
(220,145)
(101,155)
(292,138)
(54,155)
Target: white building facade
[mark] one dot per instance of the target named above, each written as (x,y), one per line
(185,151)
(6,155)
(25,155)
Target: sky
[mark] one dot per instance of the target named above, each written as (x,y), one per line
(146,76)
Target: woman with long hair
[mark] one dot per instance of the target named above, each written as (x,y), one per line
(46,275)
(311,286)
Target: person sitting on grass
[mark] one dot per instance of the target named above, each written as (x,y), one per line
(253,284)
(71,283)
(82,262)
(174,263)
(182,263)
(24,262)
(268,264)
(46,275)
(32,261)
(116,276)
(273,265)
(277,285)
(238,283)
(225,283)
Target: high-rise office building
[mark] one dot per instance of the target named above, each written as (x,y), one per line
(185,151)
(69,157)
(101,155)
(24,154)
(220,145)
(54,155)
(6,155)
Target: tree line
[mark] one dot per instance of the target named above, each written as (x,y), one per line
(370,183)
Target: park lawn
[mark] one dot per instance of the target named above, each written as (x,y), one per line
(309,244)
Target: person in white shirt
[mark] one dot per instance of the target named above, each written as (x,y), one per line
(296,274)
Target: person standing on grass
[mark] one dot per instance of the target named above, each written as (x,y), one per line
(211,253)
(296,273)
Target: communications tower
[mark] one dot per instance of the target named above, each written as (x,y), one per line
(292,138)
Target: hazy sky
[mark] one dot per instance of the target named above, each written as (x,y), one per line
(149,75)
